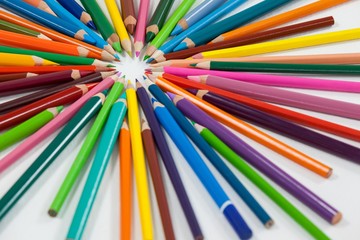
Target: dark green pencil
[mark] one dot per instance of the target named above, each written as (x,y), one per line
(11,27)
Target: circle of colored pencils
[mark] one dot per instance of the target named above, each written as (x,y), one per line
(128,15)
(11,27)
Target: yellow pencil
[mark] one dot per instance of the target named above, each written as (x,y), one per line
(281,45)
(139,163)
(119,25)
(11,59)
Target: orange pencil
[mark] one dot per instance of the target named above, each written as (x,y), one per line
(249,131)
(56,36)
(47,69)
(40,4)
(125,182)
(28,42)
(279,19)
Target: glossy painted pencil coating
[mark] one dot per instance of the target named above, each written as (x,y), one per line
(186,107)
(283,44)
(29,98)
(279,19)
(168,161)
(208,33)
(40,4)
(49,155)
(75,9)
(165,31)
(156,175)
(46,19)
(102,23)
(126,183)
(11,27)
(202,172)
(324,210)
(87,146)
(158,19)
(128,15)
(98,167)
(260,182)
(288,114)
(28,127)
(56,123)
(11,59)
(195,15)
(253,38)
(250,131)
(23,113)
(14,76)
(139,37)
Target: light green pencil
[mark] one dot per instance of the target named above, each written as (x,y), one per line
(87,146)
(28,127)
(168,27)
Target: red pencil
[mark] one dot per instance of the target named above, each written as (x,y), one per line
(61,98)
(47,69)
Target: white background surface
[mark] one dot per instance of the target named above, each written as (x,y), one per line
(29,219)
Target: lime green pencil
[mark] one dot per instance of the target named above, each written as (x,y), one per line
(260,182)
(168,27)
(28,127)
(87,146)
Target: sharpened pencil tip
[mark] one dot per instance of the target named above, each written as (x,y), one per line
(91,24)
(150,60)
(149,37)
(146,57)
(181,46)
(52,213)
(137,53)
(178,29)
(89,39)
(193,65)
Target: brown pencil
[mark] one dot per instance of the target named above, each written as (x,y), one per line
(13,76)
(128,15)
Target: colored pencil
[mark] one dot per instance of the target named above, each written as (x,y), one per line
(206,34)
(11,59)
(195,15)
(168,161)
(54,35)
(29,98)
(67,16)
(35,14)
(202,171)
(58,58)
(204,22)
(128,15)
(156,176)
(61,98)
(282,45)
(98,167)
(11,27)
(48,69)
(279,19)
(119,26)
(48,78)
(278,125)
(165,31)
(288,114)
(280,67)
(139,37)
(253,133)
(14,76)
(49,155)
(291,98)
(28,42)
(126,183)
(188,109)
(259,181)
(289,82)
(315,203)
(139,163)
(87,146)
(253,38)
(75,9)
(52,126)
(40,4)
(158,19)
(102,23)
(28,127)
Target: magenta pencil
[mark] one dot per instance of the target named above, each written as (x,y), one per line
(139,37)
(53,125)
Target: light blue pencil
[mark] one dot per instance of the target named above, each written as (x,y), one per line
(213,16)
(196,14)
(98,167)
(202,171)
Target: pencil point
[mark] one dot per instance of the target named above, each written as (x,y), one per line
(146,57)
(117,57)
(91,24)
(89,39)
(149,36)
(137,53)
(129,53)
(181,46)
(193,65)
(149,60)
(117,46)
(52,213)
(148,70)
(178,29)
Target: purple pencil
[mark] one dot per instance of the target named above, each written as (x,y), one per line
(264,165)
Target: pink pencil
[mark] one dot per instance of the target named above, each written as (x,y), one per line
(139,37)
(53,125)
(284,97)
